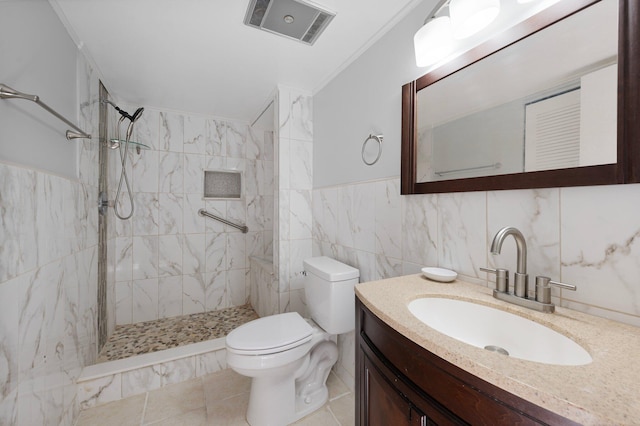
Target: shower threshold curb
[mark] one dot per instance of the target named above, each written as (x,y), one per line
(113,380)
(96,371)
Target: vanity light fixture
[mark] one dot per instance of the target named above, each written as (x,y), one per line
(433,41)
(455,26)
(470,16)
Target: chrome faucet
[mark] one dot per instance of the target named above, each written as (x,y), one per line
(542,300)
(521,279)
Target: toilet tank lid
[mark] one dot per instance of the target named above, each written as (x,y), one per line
(330,269)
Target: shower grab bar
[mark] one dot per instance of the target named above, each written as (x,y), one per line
(7,92)
(243,228)
(468,169)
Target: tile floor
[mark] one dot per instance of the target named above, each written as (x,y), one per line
(218,399)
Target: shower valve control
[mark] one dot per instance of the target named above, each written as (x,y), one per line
(103,203)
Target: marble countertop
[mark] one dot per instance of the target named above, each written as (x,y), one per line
(606,391)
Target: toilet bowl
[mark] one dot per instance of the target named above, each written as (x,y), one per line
(288,357)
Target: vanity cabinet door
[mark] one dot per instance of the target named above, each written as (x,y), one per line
(384,404)
(384,398)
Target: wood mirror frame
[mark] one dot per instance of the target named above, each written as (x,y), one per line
(627,168)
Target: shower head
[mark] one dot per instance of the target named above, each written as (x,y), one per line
(137,114)
(125,114)
(133,117)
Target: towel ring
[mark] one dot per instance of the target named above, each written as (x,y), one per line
(377,138)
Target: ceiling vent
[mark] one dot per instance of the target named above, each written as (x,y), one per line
(289,18)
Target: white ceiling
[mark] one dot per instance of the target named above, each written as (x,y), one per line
(198,56)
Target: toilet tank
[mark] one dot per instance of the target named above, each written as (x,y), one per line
(329,291)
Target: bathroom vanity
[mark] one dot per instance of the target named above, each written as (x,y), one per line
(401,383)
(408,373)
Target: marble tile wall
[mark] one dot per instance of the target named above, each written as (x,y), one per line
(264,296)
(295,198)
(587,236)
(294,177)
(48,276)
(170,261)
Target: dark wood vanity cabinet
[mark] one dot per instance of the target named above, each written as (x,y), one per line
(400,383)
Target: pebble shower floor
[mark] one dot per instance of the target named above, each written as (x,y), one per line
(151,336)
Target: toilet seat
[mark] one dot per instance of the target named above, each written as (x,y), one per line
(268,335)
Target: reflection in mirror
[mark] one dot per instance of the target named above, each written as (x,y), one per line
(547,102)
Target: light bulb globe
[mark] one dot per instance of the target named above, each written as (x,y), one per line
(433,41)
(470,16)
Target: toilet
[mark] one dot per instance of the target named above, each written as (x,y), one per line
(288,357)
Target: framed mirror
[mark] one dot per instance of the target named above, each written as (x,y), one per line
(552,102)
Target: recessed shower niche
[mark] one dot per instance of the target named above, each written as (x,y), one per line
(222,184)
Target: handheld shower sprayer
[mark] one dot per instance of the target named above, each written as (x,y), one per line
(136,114)
(123,155)
(125,114)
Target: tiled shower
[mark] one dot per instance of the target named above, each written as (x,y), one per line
(203,265)
(170,261)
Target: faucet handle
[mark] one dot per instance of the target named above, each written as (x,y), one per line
(502,278)
(543,288)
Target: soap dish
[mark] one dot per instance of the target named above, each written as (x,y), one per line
(440,274)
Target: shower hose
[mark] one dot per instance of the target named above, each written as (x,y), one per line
(123,173)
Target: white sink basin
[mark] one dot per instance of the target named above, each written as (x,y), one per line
(497,330)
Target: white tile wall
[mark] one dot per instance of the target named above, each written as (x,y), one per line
(263,287)
(584,236)
(587,236)
(48,278)
(293,151)
(169,260)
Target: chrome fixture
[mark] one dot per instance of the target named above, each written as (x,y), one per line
(542,300)
(294,19)
(7,92)
(243,228)
(502,278)
(378,139)
(521,279)
(543,288)
(123,159)
(103,203)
